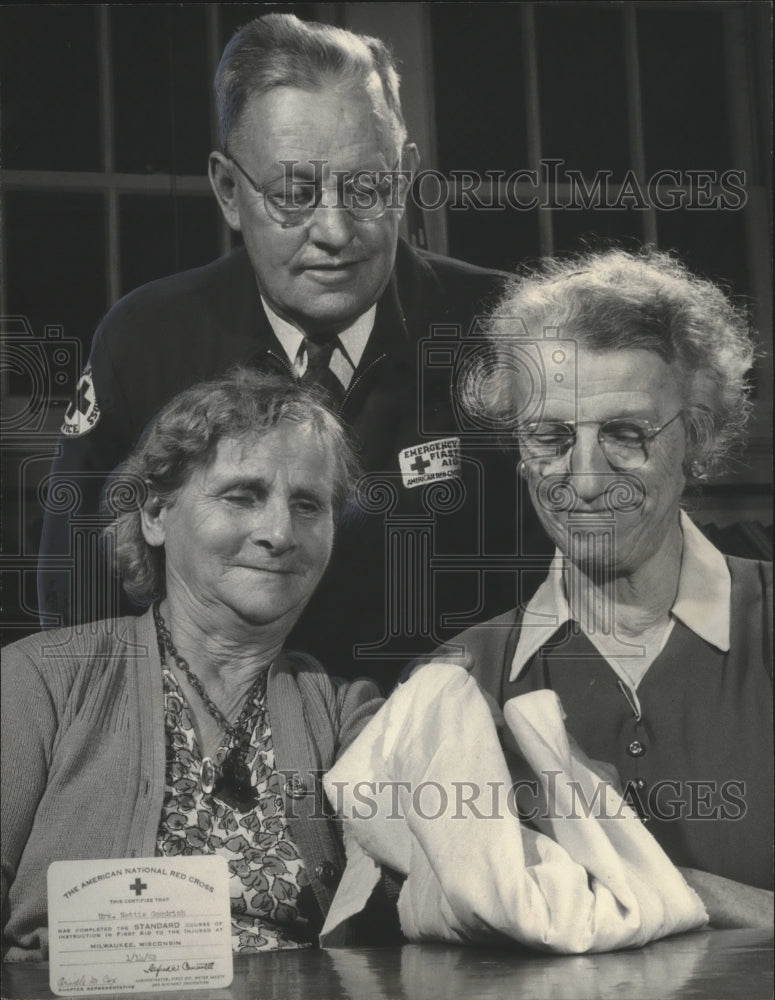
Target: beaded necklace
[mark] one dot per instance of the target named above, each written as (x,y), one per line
(231,782)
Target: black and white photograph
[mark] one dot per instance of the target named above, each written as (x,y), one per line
(386,544)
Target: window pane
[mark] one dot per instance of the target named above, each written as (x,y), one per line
(590,230)
(685,115)
(500,239)
(712,243)
(583,87)
(161,88)
(161,235)
(55,267)
(480,92)
(50,97)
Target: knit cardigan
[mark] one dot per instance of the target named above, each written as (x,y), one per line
(84,759)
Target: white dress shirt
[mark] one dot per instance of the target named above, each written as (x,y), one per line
(347,354)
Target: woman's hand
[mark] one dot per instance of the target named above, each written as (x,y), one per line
(731,904)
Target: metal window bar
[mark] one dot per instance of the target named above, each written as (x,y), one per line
(533,119)
(635,114)
(107,140)
(757,212)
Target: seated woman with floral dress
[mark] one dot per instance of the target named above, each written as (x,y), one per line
(189,729)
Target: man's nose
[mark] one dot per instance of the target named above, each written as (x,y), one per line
(588,466)
(273,528)
(331,225)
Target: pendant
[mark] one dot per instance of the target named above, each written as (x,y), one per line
(233,785)
(207,775)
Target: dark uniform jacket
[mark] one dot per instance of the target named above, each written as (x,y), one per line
(405,556)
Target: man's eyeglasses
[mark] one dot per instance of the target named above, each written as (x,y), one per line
(365,194)
(625,441)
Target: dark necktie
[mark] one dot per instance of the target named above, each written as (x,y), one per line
(318,372)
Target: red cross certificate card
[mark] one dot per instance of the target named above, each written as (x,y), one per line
(136,925)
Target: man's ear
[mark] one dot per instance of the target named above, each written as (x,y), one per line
(410,159)
(152,520)
(219,170)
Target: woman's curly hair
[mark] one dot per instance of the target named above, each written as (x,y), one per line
(617,300)
(184,437)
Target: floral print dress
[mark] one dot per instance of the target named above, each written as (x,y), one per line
(270,891)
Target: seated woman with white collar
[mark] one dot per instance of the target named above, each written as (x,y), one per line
(623,378)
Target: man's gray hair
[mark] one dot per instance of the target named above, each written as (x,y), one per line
(184,437)
(279,50)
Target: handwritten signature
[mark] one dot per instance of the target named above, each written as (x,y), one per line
(85,982)
(156,970)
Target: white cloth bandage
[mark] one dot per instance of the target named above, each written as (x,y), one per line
(590,878)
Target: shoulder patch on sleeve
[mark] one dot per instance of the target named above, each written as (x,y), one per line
(84,411)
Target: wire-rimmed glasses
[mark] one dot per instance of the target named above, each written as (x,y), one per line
(625,441)
(365,194)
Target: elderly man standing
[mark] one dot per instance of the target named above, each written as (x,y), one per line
(313,172)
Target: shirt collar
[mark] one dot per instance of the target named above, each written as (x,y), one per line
(702,602)
(353,339)
(704,597)
(546,611)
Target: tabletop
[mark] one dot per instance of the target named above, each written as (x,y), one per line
(704,965)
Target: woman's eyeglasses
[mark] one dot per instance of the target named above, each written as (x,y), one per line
(366,194)
(625,441)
